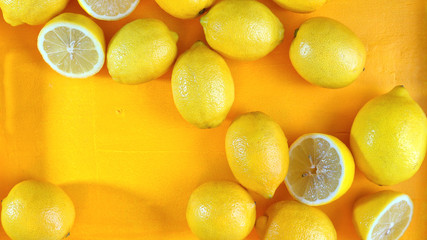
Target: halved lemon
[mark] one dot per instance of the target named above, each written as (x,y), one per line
(383,215)
(73,45)
(321,169)
(109,10)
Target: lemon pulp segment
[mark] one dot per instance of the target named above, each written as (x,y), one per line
(109,10)
(321,169)
(315,169)
(70,48)
(393,221)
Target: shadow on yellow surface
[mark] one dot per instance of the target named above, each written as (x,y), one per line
(118,213)
(22,117)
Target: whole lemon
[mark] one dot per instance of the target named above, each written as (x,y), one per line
(242,29)
(300,6)
(141,51)
(389,137)
(37,211)
(32,12)
(221,210)
(185,9)
(290,220)
(326,53)
(257,152)
(203,89)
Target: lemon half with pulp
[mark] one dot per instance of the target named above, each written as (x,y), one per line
(109,10)
(321,169)
(73,45)
(383,215)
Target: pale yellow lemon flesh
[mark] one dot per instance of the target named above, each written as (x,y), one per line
(72,45)
(321,169)
(109,10)
(383,215)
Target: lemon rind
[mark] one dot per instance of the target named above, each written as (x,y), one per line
(89,10)
(332,195)
(98,47)
(400,198)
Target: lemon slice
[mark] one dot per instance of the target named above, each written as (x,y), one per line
(109,10)
(383,215)
(321,169)
(73,45)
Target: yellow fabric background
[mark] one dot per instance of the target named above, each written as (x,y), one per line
(130,162)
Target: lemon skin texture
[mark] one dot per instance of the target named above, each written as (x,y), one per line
(291,220)
(257,153)
(32,12)
(389,137)
(300,6)
(202,86)
(242,29)
(326,53)
(221,210)
(185,9)
(37,211)
(141,51)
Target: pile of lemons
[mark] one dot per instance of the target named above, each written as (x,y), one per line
(388,138)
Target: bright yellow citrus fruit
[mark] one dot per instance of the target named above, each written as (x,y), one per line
(32,12)
(383,215)
(185,9)
(301,6)
(202,85)
(389,137)
(221,210)
(37,211)
(109,10)
(242,29)
(326,53)
(321,169)
(72,45)
(141,51)
(257,152)
(290,220)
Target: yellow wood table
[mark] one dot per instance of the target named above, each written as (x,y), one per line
(130,162)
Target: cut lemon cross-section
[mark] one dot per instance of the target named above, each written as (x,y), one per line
(321,169)
(383,215)
(109,10)
(73,45)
